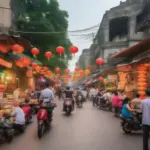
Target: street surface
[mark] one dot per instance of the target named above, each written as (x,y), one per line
(86,129)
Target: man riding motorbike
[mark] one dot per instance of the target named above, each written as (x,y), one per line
(47,96)
(68,95)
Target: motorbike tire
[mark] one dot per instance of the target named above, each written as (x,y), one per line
(68,112)
(41,131)
(9,139)
(126,129)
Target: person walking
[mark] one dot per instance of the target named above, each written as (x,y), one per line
(146,119)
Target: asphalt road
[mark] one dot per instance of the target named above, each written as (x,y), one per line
(86,129)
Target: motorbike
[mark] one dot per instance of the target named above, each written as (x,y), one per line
(44,118)
(34,108)
(7,133)
(6,130)
(129,125)
(28,113)
(105,104)
(68,106)
(79,101)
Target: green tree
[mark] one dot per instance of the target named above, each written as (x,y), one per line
(43,16)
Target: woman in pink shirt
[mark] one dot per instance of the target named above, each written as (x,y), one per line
(116,103)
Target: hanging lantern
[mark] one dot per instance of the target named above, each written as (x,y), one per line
(35,52)
(73,49)
(77,69)
(100,78)
(100,61)
(48,55)
(57,75)
(89,66)
(87,72)
(17,48)
(45,68)
(34,65)
(67,70)
(57,69)
(60,50)
(4,48)
(24,62)
(29,73)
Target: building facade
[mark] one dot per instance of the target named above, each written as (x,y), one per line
(5,16)
(118,29)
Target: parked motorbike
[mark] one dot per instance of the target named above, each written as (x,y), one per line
(28,113)
(44,118)
(105,104)
(6,129)
(6,133)
(129,125)
(34,108)
(68,106)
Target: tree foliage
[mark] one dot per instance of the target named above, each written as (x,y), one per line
(43,16)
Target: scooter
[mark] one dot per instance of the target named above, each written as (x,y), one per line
(105,104)
(68,106)
(44,118)
(129,125)
(28,113)
(79,101)
(6,131)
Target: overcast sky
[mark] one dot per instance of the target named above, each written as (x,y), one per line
(84,14)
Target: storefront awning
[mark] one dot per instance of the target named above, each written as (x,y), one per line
(134,50)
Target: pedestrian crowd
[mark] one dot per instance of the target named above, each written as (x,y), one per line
(136,110)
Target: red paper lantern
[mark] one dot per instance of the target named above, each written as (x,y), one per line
(89,66)
(29,73)
(100,78)
(45,68)
(48,55)
(60,50)
(35,51)
(87,72)
(67,70)
(73,49)
(4,48)
(100,61)
(34,65)
(57,75)
(17,48)
(57,69)
(77,69)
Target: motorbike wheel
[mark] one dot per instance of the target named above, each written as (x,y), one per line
(126,129)
(41,131)
(68,111)
(9,139)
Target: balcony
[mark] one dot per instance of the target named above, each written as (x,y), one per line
(143,19)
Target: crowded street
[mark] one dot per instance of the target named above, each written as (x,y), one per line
(87,128)
(74,75)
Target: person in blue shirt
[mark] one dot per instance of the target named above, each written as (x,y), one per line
(126,109)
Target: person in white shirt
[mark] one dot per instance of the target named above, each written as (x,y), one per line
(146,119)
(19,117)
(47,94)
(16,93)
(93,94)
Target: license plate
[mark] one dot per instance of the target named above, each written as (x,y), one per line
(68,103)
